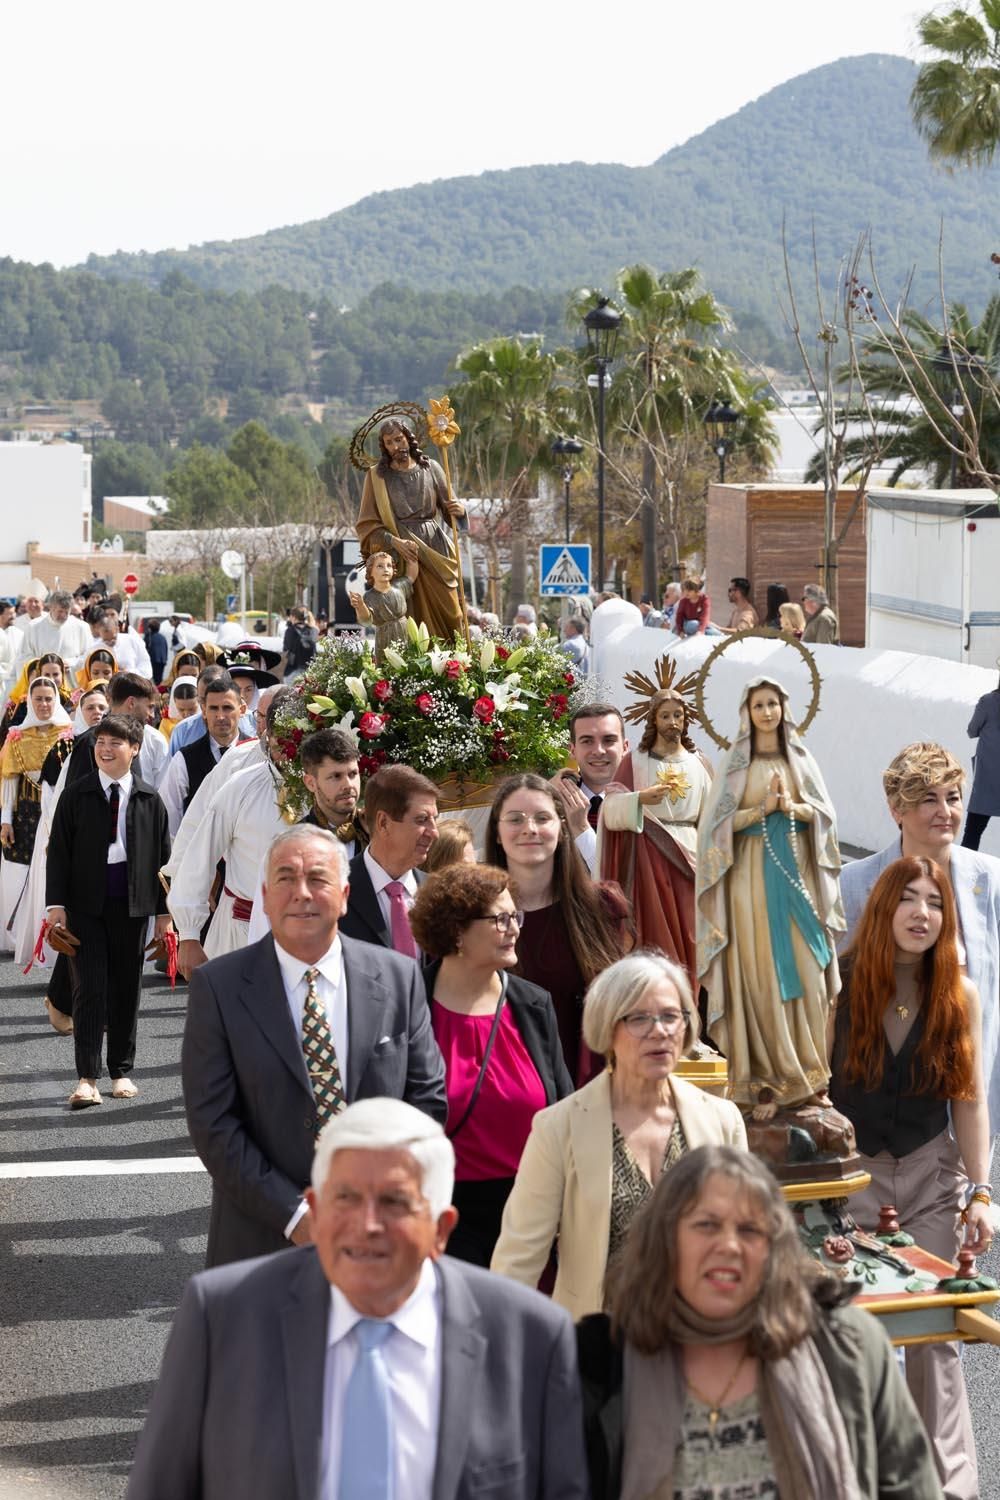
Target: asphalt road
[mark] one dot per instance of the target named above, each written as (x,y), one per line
(93,1263)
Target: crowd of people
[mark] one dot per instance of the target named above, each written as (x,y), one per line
(398,1045)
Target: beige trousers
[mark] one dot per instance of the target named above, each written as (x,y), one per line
(928,1188)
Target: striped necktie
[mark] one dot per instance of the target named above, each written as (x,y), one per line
(321,1056)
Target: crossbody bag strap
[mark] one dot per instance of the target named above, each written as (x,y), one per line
(451,1134)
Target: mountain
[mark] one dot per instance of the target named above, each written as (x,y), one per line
(834,148)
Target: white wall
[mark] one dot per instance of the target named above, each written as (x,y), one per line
(873,702)
(44,498)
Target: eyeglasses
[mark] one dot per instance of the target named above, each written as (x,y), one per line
(537,820)
(641,1024)
(502,920)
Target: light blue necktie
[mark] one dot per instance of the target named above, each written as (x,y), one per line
(367,1466)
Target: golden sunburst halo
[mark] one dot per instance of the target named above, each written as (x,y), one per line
(664,676)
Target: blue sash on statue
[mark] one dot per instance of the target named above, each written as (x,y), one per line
(786,904)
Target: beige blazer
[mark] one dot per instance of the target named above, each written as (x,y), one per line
(563,1187)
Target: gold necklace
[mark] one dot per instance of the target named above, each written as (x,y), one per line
(902,1011)
(715,1407)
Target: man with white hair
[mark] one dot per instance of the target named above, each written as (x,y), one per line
(281,1035)
(57,631)
(370,1366)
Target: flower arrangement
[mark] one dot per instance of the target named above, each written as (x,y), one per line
(449,712)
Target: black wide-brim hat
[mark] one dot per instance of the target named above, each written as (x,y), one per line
(261,678)
(251,654)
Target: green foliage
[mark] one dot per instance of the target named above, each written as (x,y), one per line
(956,97)
(186,591)
(835,145)
(121,469)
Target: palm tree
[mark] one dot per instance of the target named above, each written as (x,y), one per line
(956,98)
(945,378)
(507,406)
(671,367)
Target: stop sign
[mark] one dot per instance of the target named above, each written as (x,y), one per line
(130,584)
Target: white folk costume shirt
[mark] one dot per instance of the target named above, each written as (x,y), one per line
(412,1355)
(71,640)
(131,654)
(176,780)
(240,825)
(238,758)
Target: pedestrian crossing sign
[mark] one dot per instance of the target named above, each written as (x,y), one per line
(564,569)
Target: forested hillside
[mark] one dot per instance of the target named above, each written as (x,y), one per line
(835,146)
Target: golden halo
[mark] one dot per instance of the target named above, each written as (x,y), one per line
(664,676)
(769,634)
(409,411)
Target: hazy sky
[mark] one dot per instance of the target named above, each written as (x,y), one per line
(143,126)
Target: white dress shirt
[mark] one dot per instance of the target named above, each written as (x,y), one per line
(131,654)
(412,1356)
(380,879)
(586,841)
(331,987)
(116,852)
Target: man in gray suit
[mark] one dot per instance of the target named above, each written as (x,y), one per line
(282,1034)
(923,786)
(366,1365)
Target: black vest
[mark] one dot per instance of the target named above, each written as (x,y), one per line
(896,1116)
(200,761)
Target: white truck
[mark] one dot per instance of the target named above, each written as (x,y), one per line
(934,573)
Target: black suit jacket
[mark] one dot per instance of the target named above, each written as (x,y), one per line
(247,1093)
(363,918)
(238,1408)
(535,1019)
(76,864)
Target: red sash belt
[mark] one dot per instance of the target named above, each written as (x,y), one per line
(242,908)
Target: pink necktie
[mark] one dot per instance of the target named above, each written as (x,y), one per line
(399,920)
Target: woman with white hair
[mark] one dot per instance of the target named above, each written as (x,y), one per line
(592,1159)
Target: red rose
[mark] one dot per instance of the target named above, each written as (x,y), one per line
(568,679)
(382,690)
(453,669)
(484,708)
(558,702)
(370,761)
(370,725)
(502,653)
(498,755)
(424,702)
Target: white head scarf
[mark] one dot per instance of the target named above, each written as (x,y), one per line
(60,718)
(80,725)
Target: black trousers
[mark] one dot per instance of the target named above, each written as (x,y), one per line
(975,827)
(106,974)
(480,1208)
(60,991)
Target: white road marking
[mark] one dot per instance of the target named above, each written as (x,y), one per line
(138,1166)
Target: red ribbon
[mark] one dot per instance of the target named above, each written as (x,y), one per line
(38,953)
(170,943)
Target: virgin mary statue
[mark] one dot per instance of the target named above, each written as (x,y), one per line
(769,909)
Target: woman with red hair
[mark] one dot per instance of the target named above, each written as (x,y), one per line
(907,1072)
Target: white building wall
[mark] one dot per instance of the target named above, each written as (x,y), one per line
(872,703)
(44,498)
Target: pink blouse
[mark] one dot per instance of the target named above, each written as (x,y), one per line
(490,1143)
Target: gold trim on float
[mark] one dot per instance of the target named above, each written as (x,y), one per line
(814,1192)
(927,1302)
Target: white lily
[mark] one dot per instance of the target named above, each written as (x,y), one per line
(487,654)
(438,659)
(505,694)
(346,724)
(393,657)
(356,688)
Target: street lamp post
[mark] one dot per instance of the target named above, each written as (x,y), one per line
(601,324)
(720,420)
(567,449)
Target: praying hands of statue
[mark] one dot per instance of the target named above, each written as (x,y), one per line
(777,799)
